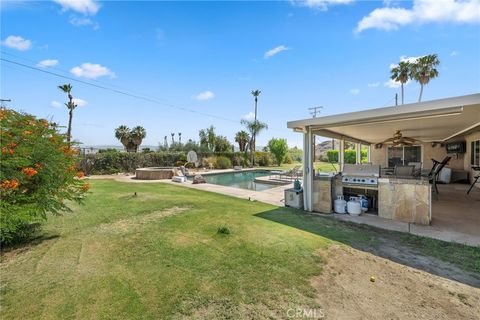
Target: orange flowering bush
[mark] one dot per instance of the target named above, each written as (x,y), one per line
(34,180)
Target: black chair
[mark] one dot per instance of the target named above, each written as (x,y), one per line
(435,172)
(475,179)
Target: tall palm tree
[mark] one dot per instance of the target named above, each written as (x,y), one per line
(255,94)
(173,137)
(180,137)
(137,135)
(254,127)
(424,70)
(242,138)
(122,133)
(67,88)
(401,73)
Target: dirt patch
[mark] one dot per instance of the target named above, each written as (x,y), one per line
(127,225)
(359,285)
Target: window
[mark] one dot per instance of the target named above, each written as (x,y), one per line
(404,155)
(475,154)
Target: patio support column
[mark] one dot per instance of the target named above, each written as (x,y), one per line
(307,169)
(369,150)
(341,154)
(358,153)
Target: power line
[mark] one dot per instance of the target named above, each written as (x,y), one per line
(315,110)
(103,87)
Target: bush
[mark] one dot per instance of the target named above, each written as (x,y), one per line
(288,159)
(210,162)
(223,163)
(38,174)
(240,160)
(279,149)
(223,230)
(350,156)
(263,159)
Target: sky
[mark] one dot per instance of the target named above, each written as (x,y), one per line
(183,66)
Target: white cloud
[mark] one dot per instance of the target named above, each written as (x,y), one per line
(249,116)
(17,42)
(422,11)
(87,7)
(394,84)
(92,71)
(373,85)
(207,95)
(454,53)
(83,22)
(405,59)
(56,104)
(355,91)
(47,63)
(320,4)
(80,102)
(274,51)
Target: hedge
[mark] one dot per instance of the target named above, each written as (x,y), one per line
(350,156)
(116,162)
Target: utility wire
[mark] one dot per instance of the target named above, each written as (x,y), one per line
(103,87)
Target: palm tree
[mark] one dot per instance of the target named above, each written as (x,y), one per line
(180,137)
(137,135)
(122,133)
(255,94)
(242,138)
(67,88)
(401,73)
(424,70)
(254,127)
(173,137)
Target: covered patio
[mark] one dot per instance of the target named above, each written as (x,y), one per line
(432,130)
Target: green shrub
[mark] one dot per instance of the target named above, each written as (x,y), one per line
(38,174)
(263,159)
(223,230)
(279,149)
(350,156)
(223,163)
(288,159)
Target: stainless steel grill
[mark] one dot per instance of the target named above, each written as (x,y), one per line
(360,174)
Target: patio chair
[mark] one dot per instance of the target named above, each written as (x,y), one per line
(404,171)
(292,173)
(434,173)
(179,176)
(475,179)
(418,168)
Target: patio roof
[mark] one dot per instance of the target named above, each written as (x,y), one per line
(435,120)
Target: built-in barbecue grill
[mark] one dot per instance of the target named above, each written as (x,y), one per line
(360,174)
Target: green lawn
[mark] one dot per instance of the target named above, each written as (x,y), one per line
(319,166)
(158,255)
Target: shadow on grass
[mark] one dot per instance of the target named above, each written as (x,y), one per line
(28,242)
(450,260)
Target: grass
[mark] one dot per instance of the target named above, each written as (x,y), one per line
(158,255)
(319,166)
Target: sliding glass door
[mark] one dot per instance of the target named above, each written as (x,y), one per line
(404,155)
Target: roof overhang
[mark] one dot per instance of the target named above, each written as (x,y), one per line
(436,120)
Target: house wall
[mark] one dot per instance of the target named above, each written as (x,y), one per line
(469,138)
(379,156)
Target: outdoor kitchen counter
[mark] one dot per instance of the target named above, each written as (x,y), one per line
(323,187)
(405,199)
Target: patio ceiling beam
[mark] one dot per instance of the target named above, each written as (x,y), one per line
(338,136)
(476,125)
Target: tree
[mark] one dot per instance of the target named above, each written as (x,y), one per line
(255,94)
(242,138)
(38,174)
(254,127)
(131,139)
(401,73)
(137,135)
(279,148)
(67,88)
(207,138)
(424,70)
(222,144)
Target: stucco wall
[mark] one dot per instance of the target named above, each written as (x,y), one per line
(379,156)
(469,138)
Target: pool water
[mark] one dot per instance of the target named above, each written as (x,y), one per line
(242,179)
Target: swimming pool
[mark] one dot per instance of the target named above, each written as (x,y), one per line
(241,179)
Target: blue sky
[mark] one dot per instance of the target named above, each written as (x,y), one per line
(208,56)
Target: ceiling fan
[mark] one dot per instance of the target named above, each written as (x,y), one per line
(399,140)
